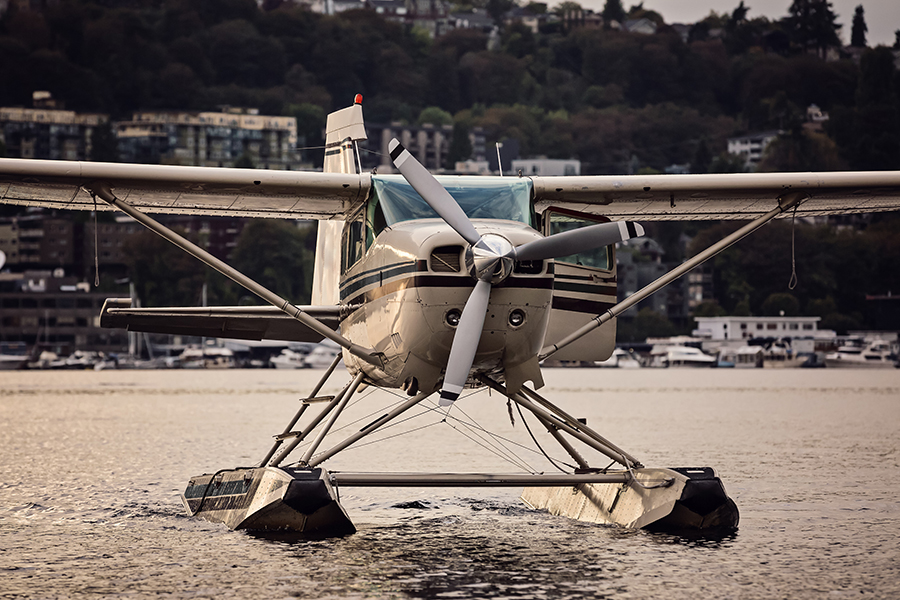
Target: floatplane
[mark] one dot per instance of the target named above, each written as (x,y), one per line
(433,285)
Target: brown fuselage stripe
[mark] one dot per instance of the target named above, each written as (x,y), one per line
(582,306)
(444,281)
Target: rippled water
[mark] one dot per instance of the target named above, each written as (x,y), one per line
(92,465)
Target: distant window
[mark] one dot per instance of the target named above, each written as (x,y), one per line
(771,325)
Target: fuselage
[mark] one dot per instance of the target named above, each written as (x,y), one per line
(404,277)
(411,287)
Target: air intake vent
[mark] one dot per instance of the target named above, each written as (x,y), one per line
(446,259)
(529,267)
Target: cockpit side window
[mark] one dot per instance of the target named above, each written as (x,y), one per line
(352,248)
(557,220)
(375,220)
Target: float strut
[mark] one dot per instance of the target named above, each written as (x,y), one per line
(302,409)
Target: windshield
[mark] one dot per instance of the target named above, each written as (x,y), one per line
(395,201)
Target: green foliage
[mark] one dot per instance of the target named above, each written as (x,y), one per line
(623,95)
(279,255)
(460,146)
(836,269)
(868,134)
(163,274)
(859,29)
(709,308)
(613,11)
(841,324)
(781,304)
(801,150)
(435,116)
(649,323)
(813,25)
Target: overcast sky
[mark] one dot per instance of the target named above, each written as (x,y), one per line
(882,16)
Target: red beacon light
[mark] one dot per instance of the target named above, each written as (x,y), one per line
(357,99)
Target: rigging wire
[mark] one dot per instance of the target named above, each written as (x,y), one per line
(474,426)
(536,443)
(496,447)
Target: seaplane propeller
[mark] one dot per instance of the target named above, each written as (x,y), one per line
(490,259)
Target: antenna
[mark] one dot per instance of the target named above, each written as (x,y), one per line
(499,162)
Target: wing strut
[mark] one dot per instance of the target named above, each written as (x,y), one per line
(369,355)
(785,202)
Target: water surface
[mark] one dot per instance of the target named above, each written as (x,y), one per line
(92,464)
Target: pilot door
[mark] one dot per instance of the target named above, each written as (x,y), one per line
(584,286)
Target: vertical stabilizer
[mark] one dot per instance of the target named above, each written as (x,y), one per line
(343,129)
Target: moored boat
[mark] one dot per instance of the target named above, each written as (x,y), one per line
(877,354)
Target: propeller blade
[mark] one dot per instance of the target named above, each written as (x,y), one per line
(578,240)
(465,343)
(432,192)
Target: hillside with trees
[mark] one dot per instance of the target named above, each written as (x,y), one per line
(621,102)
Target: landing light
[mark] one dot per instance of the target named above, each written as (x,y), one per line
(516,318)
(452,317)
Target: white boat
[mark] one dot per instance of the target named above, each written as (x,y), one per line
(620,359)
(322,356)
(749,357)
(211,357)
(780,355)
(11,362)
(681,356)
(877,354)
(289,359)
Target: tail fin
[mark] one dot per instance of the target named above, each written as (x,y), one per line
(343,129)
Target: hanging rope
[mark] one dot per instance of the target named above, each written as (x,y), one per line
(96,245)
(793,281)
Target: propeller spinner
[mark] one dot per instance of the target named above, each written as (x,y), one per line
(490,259)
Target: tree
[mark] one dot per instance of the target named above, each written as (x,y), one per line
(813,25)
(781,304)
(163,274)
(613,11)
(649,323)
(497,8)
(709,308)
(859,29)
(279,255)
(460,146)
(435,116)
(801,150)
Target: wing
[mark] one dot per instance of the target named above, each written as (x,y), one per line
(728,196)
(239,322)
(183,190)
